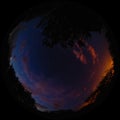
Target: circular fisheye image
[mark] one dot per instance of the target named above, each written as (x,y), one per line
(60,58)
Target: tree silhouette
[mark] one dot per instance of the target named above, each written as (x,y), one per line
(101,92)
(18,92)
(68,24)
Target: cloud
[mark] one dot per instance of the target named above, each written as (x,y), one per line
(79,54)
(46,90)
(93,53)
(57,96)
(41,87)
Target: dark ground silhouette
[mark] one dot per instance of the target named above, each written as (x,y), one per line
(17,90)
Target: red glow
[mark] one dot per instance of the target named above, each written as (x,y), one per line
(79,55)
(93,53)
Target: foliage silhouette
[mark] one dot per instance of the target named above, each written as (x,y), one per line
(18,91)
(68,24)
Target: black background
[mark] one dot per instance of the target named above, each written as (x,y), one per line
(9,12)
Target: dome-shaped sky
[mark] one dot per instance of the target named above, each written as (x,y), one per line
(59,78)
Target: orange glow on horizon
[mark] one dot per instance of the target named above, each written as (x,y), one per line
(102,68)
(107,64)
(90,101)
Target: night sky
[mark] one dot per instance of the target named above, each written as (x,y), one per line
(58,78)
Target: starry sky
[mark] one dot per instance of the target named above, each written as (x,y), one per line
(58,78)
